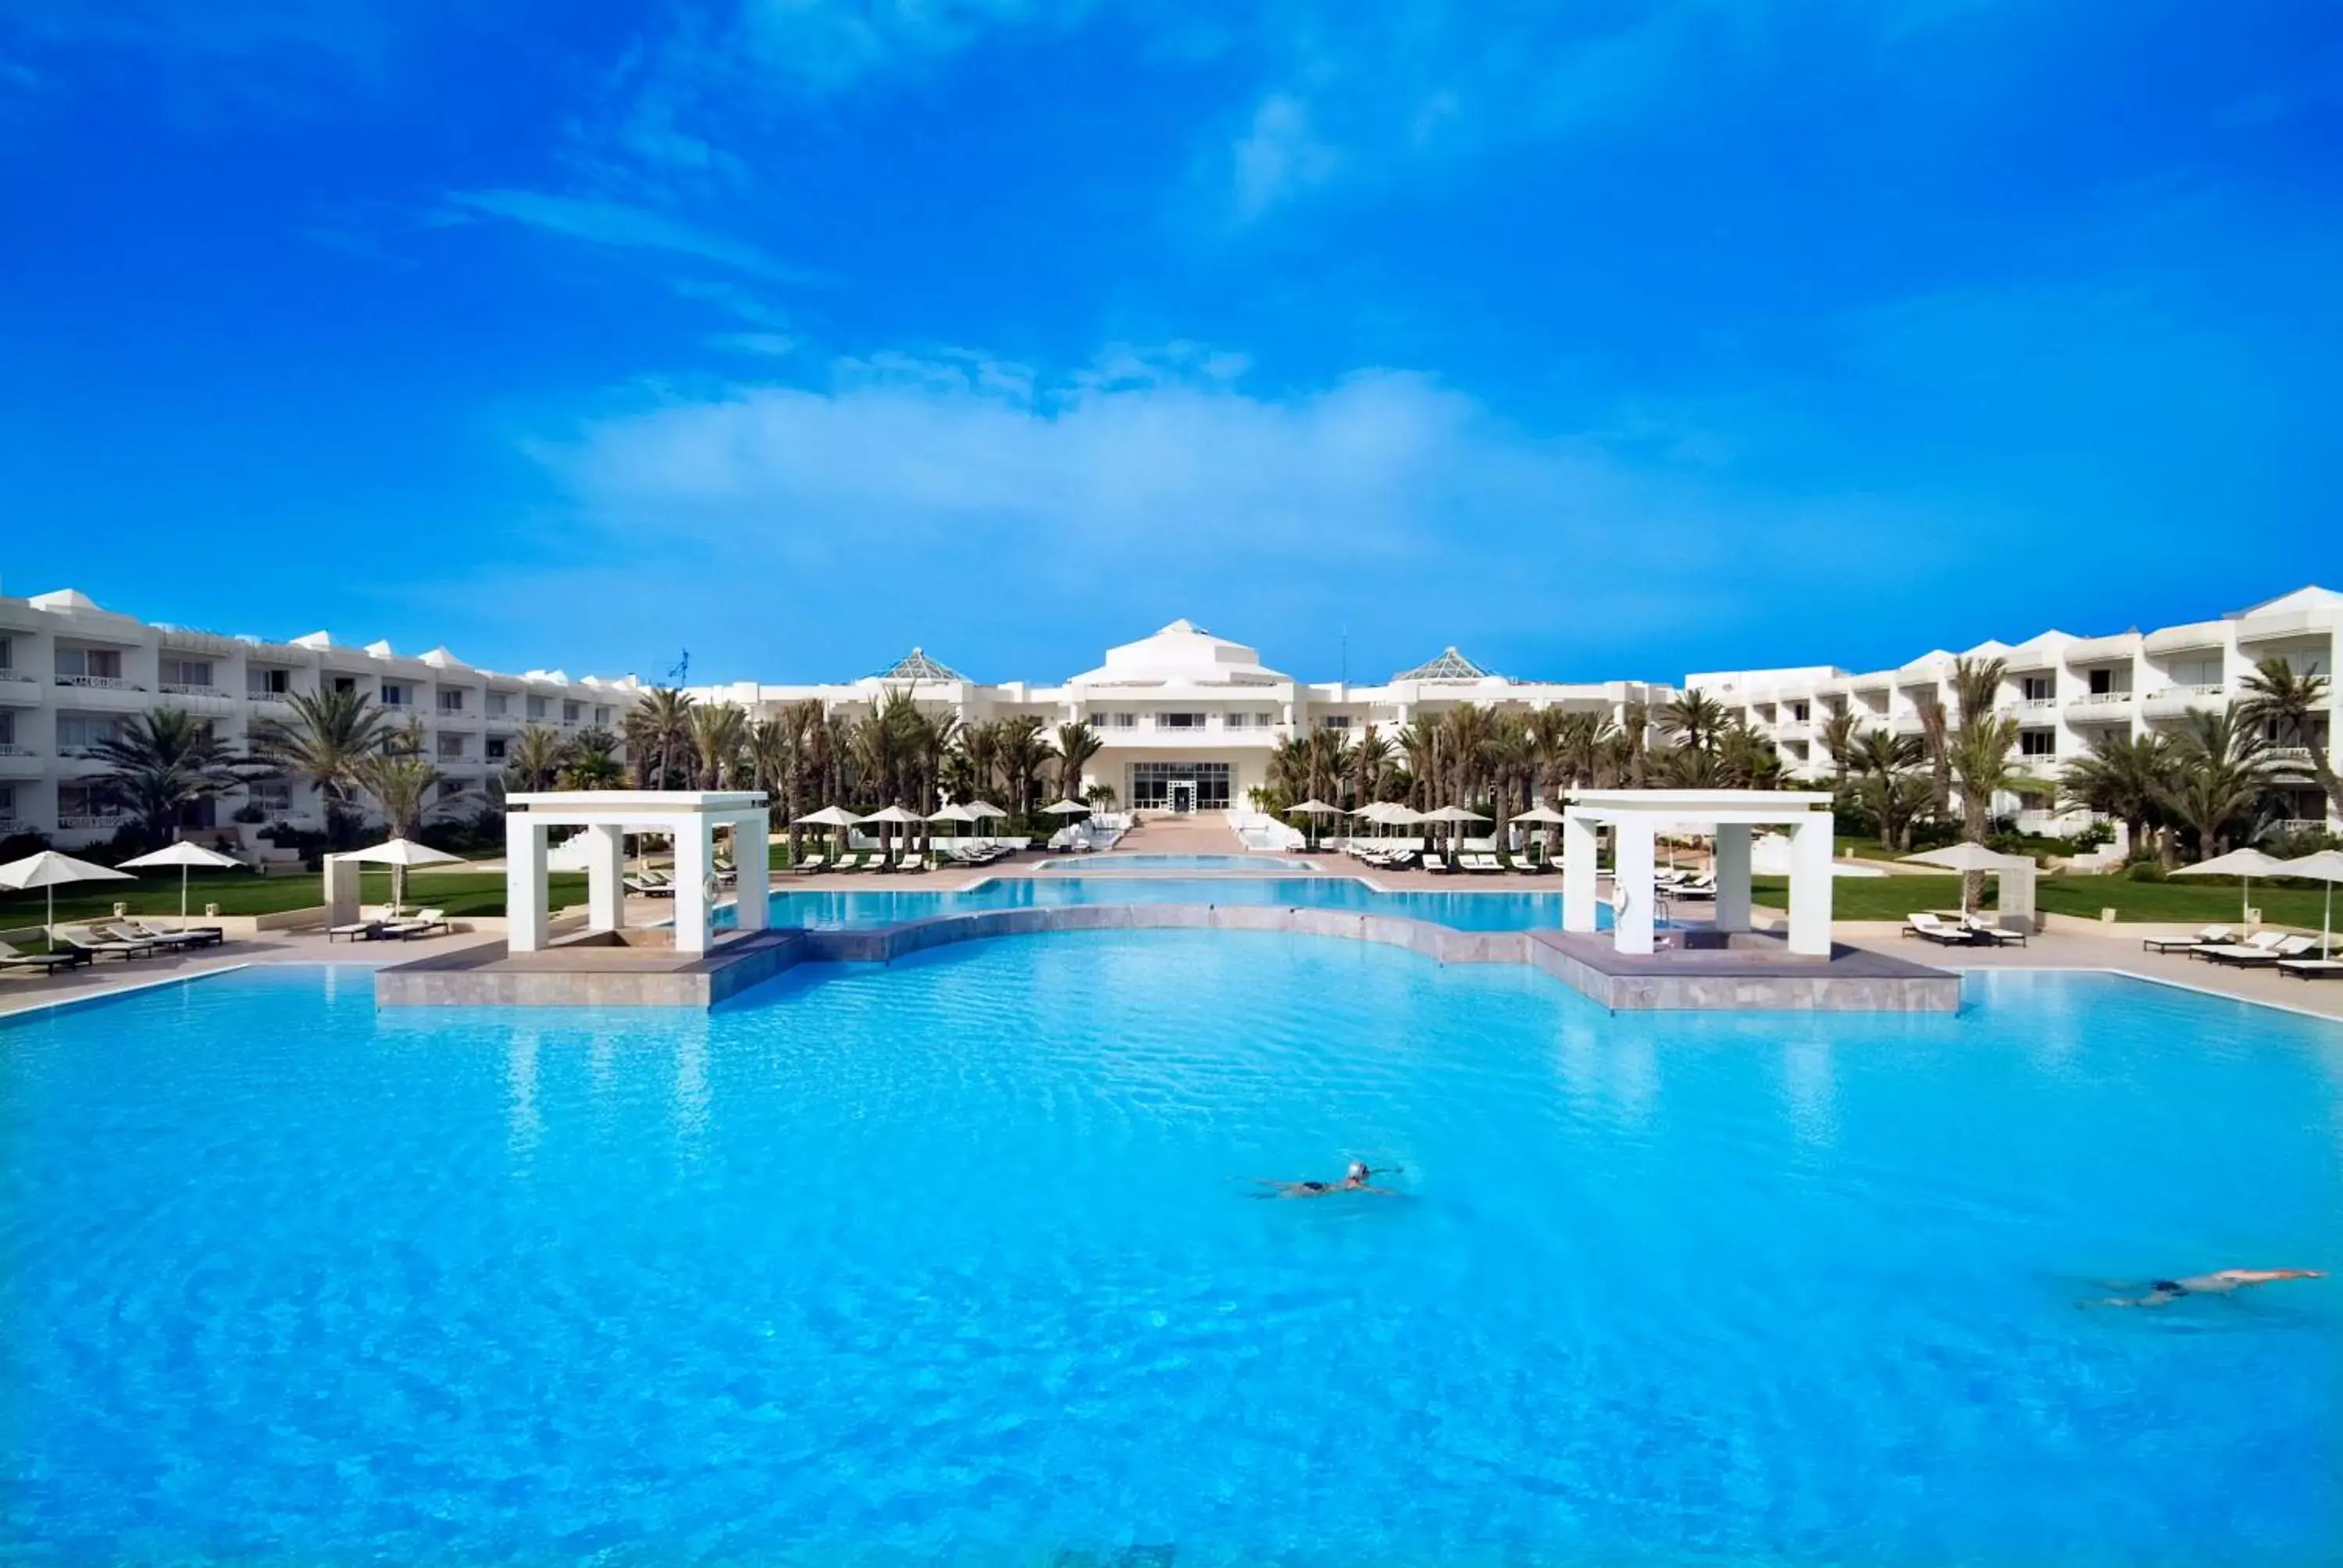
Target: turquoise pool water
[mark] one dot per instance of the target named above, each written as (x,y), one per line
(960,1260)
(884,904)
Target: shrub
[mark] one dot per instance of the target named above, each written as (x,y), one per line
(18,845)
(2149,869)
(248,813)
(2098,835)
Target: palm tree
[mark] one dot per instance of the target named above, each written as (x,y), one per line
(1888,787)
(158,765)
(2296,711)
(1936,736)
(1077,744)
(801,725)
(1420,744)
(403,782)
(1746,759)
(1371,760)
(1021,753)
(1837,738)
(717,732)
(329,739)
(2220,777)
(535,759)
(1695,717)
(591,762)
(659,738)
(2125,778)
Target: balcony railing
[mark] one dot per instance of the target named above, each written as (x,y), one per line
(2100,698)
(17,674)
(9,748)
(85,752)
(90,822)
(99,682)
(186,688)
(2030,705)
(2300,825)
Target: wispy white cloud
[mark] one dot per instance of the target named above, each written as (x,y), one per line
(771,345)
(1278,155)
(618,223)
(1148,481)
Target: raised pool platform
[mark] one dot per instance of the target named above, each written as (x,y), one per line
(1752,973)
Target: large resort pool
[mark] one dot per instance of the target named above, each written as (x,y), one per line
(965,1258)
(862,907)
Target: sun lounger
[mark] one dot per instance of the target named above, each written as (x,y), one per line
(2311,969)
(422,923)
(650,889)
(2258,943)
(355,932)
(122,931)
(1928,927)
(1480,865)
(1999,935)
(810,865)
(47,963)
(192,936)
(2250,959)
(2210,937)
(1438,866)
(83,940)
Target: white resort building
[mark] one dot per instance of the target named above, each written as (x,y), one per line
(2064,691)
(1188,719)
(71,672)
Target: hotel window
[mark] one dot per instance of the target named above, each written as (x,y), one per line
(187,672)
(7,653)
(602,716)
(499,705)
(570,711)
(259,681)
(79,733)
(1800,712)
(496,744)
(274,796)
(537,708)
(2195,672)
(451,701)
(1119,720)
(2039,687)
(88,664)
(346,683)
(1334,722)
(7,728)
(1152,784)
(1178,722)
(450,748)
(8,803)
(2037,743)
(84,800)
(2105,684)
(394,695)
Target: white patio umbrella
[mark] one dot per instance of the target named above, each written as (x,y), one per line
(895,815)
(837,818)
(183,855)
(1963,857)
(955,815)
(1066,808)
(2326,865)
(984,809)
(1540,813)
(1313,806)
(52,870)
(2243,864)
(398,854)
(1452,815)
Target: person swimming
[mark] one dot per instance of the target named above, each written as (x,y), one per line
(1358,1178)
(2220,1282)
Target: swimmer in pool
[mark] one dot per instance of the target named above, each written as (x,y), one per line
(1357,1179)
(2220,1282)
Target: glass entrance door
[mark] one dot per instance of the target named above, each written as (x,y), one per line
(1182,794)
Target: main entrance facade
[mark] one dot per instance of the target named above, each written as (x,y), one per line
(1181,787)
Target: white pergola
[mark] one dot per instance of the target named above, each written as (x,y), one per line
(1637,817)
(690,816)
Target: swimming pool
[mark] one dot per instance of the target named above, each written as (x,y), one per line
(885,905)
(958,1260)
(1113,861)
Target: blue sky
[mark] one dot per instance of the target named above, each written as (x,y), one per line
(1601,338)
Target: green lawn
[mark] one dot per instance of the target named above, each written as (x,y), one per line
(2196,900)
(460,893)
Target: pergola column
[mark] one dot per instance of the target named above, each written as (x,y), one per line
(695,859)
(1732,876)
(752,857)
(1810,885)
(525,883)
(1578,873)
(1631,882)
(605,870)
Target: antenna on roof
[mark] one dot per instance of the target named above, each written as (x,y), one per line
(1346,653)
(681,670)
